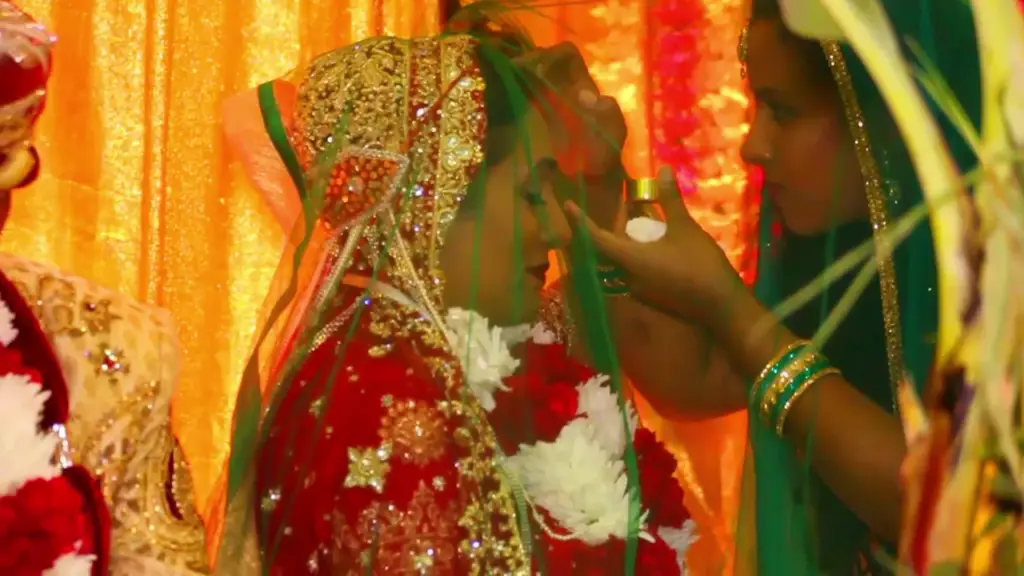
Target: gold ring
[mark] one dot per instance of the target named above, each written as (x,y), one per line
(644,190)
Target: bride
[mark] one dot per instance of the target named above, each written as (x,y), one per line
(401,414)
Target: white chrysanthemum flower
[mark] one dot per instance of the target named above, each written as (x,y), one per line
(483,352)
(7,330)
(600,405)
(581,485)
(514,335)
(71,565)
(542,335)
(680,540)
(25,454)
(643,229)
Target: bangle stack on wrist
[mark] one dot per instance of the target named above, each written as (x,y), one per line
(785,379)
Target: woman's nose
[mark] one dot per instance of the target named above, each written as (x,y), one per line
(756,148)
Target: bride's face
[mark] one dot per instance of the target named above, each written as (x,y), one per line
(495,255)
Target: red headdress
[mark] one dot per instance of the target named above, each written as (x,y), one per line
(50,515)
(25,62)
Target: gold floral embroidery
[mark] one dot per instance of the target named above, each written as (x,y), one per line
(108,361)
(388,540)
(416,430)
(495,534)
(54,302)
(166,527)
(368,467)
(120,420)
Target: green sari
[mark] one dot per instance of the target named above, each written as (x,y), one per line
(798,526)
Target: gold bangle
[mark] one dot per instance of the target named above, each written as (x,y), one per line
(759,381)
(785,378)
(784,411)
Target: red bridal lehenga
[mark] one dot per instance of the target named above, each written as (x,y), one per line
(384,433)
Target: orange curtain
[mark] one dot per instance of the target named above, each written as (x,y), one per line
(138,192)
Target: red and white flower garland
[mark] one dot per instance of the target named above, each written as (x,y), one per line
(42,519)
(572,468)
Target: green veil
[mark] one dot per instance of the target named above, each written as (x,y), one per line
(785,527)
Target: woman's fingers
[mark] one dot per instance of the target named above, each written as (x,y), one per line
(566,61)
(613,247)
(670,199)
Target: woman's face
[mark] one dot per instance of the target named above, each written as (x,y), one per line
(495,254)
(799,135)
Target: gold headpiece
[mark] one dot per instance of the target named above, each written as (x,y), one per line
(398,126)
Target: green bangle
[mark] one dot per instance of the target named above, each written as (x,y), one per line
(801,384)
(771,371)
(790,376)
(786,389)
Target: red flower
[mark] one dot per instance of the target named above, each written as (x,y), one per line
(541,400)
(11,362)
(553,363)
(657,559)
(660,492)
(39,523)
(532,410)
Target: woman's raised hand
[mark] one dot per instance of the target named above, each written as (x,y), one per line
(588,130)
(684,272)
(588,127)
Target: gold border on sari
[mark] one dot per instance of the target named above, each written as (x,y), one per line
(878,196)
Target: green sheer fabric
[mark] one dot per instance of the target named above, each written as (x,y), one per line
(800,527)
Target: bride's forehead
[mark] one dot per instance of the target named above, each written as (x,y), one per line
(775,59)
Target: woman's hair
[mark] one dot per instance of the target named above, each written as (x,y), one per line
(810,50)
(508,94)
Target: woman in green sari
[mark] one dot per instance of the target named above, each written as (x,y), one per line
(826,441)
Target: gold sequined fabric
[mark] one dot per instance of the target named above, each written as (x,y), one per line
(397,126)
(121,361)
(389,133)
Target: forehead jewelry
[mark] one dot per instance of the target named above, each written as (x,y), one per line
(741,50)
